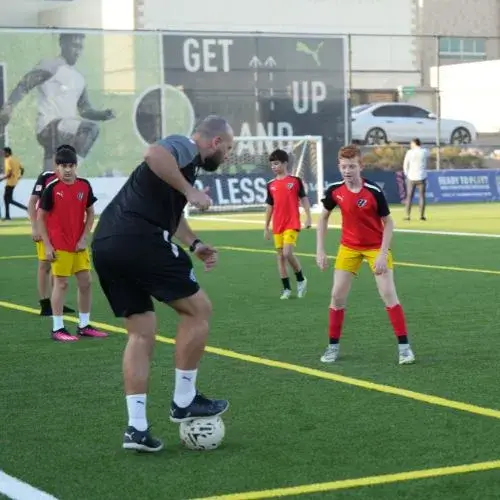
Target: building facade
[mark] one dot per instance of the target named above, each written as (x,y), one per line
(382,46)
(468,31)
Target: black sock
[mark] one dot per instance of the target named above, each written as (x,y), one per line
(45,302)
(286,283)
(299,275)
(403,339)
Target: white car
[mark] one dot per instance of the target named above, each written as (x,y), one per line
(382,122)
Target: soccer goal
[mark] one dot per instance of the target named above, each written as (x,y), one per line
(240,184)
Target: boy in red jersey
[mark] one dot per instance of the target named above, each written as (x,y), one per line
(43,272)
(65,219)
(367,229)
(283,196)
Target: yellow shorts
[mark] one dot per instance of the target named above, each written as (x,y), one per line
(69,263)
(40,250)
(350,260)
(287,237)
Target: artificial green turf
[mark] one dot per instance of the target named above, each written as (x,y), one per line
(63,408)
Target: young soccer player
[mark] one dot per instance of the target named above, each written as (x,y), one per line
(44,276)
(65,219)
(367,228)
(283,195)
(13,173)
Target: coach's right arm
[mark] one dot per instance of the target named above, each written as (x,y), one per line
(163,164)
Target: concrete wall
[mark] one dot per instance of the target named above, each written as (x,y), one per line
(378,61)
(457,18)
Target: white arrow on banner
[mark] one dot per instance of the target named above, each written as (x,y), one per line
(255,63)
(271,63)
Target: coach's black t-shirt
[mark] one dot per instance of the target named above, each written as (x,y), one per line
(146,204)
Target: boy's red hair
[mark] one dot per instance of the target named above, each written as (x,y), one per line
(349,152)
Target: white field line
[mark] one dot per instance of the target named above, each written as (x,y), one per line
(16,489)
(217,218)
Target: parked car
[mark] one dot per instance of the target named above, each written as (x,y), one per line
(400,122)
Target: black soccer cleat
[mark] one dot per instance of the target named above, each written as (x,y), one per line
(200,407)
(46,308)
(141,441)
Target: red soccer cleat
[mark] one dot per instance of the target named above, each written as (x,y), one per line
(90,331)
(62,335)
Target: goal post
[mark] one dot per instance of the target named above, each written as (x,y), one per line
(240,183)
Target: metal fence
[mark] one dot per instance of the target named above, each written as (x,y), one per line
(142,85)
(454,78)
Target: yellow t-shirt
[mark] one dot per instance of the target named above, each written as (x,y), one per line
(12,167)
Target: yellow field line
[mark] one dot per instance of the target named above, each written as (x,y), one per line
(404,264)
(303,370)
(359,482)
(10,257)
(301,254)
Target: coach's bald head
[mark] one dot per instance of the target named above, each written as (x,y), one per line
(214,138)
(214,126)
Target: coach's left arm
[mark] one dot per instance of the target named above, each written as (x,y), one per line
(185,234)
(89,113)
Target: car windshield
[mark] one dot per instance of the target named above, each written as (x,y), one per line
(361,107)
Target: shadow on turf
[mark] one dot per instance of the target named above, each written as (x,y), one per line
(178,450)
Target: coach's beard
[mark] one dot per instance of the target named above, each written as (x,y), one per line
(212,163)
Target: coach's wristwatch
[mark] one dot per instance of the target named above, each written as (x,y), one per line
(193,245)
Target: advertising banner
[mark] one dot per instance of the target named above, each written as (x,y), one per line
(460,186)
(235,191)
(111,94)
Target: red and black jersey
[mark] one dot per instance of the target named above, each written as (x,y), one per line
(41,183)
(284,195)
(66,205)
(362,226)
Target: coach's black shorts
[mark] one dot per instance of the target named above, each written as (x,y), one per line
(133,269)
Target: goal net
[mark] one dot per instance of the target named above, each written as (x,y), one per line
(240,184)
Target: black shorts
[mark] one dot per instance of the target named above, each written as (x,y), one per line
(133,269)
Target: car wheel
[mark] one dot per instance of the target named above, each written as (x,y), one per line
(460,136)
(375,136)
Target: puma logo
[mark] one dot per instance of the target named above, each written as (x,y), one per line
(302,47)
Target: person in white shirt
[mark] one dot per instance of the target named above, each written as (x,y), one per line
(415,170)
(65,115)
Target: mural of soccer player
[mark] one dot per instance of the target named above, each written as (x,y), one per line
(65,115)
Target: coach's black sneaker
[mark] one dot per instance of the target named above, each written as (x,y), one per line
(199,408)
(140,441)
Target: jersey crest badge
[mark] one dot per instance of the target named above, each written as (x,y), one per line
(192,276)
(79,196)
(289,185)
(362,203)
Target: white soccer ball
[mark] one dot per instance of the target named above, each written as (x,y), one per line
(202,433)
